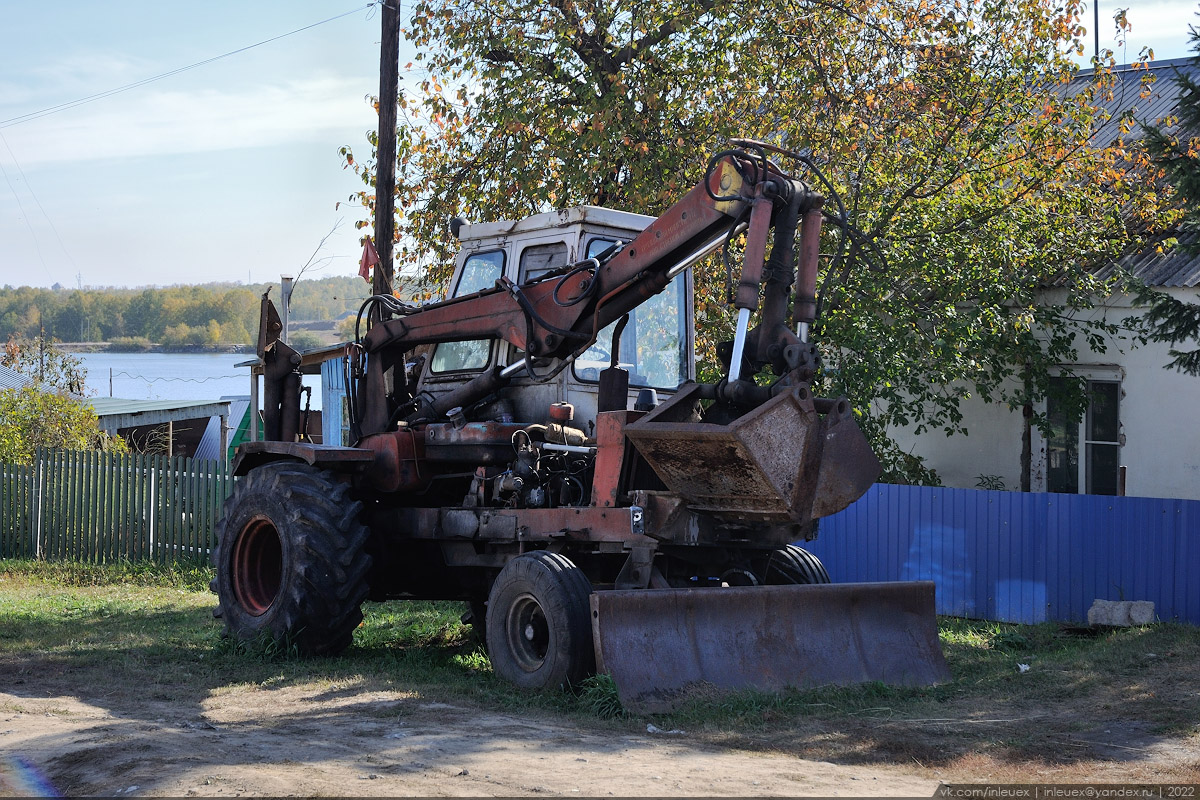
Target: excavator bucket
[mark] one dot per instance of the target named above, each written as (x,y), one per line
(793,458)
(662,646)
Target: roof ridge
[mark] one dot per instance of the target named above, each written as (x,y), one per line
(1147,66)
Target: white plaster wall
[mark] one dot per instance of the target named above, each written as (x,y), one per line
(992,446)
(1160,420)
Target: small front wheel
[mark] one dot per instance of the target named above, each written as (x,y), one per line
(792,565)
(539,632)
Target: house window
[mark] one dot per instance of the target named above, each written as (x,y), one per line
(1096,438)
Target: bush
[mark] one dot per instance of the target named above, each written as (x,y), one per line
(129,344)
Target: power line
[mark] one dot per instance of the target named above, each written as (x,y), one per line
(33,194)
(32,115)
(24,216)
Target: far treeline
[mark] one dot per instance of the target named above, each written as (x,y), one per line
(208,314)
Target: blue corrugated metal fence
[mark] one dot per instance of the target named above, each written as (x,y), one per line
(1020,557)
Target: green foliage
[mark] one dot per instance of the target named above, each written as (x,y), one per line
(212,314)
(263,648)
(186,576)
(305,340)
(599,696)
(46,413)
(31,418)
(943,130)
(49,368)
(129,344)
(1174,321)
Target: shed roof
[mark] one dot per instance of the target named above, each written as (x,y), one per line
(1180,267)
(116,412)
(11,379)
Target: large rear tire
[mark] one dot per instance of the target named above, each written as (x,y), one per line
(792,565)
(291,568)
(539,630)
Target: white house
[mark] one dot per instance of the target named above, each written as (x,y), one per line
(1141,433)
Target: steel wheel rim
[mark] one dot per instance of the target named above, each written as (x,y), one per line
(528,633)
(257,566)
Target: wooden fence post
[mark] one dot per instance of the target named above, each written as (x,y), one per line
(38,476)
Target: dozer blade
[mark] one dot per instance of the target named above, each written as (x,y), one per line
(664,645)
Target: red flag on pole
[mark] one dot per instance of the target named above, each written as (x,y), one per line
(369,259)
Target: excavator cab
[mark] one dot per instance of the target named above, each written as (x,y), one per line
(655,346)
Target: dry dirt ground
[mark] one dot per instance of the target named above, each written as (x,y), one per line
(347,741)
(99,699)
(360,740)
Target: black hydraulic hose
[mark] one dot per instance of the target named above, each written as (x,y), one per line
(531,313)
(590,287)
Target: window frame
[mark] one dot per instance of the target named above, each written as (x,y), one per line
(491,349)
(1085,446)
(684,329)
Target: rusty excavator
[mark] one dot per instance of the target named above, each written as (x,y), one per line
(537,446)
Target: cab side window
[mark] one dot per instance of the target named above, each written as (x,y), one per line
(480,271)
(539,259)
(653,345)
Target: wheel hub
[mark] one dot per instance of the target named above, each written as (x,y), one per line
(528,633)
(257,568)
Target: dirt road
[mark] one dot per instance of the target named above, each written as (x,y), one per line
(349,740)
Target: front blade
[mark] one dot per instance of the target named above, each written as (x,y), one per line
(661,645)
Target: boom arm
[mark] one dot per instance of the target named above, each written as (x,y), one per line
(560,314)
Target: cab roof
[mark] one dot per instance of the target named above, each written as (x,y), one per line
(563,217)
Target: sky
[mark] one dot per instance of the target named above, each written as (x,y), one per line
(229,171)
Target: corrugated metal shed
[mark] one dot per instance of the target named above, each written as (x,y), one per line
(116,412)
(239,422)
(1152,103)
(11,379)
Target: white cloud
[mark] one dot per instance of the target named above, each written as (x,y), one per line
(155,122)
(1160,24)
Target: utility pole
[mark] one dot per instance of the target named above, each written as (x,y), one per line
(385,151)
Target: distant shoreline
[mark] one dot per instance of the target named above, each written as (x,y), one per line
(109,347)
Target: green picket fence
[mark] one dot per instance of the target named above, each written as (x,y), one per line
(102,507)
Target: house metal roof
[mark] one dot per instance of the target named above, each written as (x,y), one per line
(1178,267)
(11,379)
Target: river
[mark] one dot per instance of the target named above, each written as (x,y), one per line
(173,376)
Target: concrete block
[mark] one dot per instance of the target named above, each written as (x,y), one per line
(1102,613)
(1141,612)
(1121,613)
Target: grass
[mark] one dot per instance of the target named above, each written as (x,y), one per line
(191,577)
(148,630)
(146,622)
